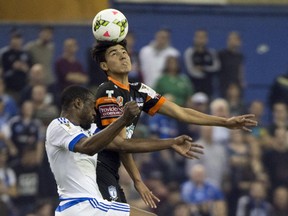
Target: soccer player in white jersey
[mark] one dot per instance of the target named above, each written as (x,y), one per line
(72,153)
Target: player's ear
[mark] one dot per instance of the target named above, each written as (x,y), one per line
(78,103)
(104,66)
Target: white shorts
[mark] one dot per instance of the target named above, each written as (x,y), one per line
(91,207)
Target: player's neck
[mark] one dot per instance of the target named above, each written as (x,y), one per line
(122,78)
(71,118)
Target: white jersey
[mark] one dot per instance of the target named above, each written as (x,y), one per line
(75,173)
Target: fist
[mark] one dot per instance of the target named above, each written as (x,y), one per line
(131,110)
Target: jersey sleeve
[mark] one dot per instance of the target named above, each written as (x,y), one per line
(62,133)
(107,106)
(153,101)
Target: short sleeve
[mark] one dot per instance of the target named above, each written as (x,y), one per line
(153,102)
(62,133)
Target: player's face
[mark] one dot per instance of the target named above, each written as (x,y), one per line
(88,113)
(117,60)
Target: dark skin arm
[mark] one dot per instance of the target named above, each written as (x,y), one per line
(94,144)
(182,145)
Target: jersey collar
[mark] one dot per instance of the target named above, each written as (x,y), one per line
(121,85)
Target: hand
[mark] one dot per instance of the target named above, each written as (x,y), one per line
(186,148)
(148,197)
(241,122)
(131,111)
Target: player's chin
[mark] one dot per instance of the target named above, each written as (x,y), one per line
(86,125)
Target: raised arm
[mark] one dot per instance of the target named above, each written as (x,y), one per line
(183,145)
(192,116)
(97,142)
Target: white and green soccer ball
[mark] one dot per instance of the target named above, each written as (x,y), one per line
(110,25)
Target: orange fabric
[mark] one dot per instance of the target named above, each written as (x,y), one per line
(104,100)
(121,85)
(106,122)
(157,106)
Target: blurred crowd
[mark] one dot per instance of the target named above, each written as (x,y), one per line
(242,174)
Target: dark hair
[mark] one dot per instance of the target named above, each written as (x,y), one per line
(98,51)
(70,93)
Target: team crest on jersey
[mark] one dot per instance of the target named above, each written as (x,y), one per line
(140,101)
(109,93)
(112,192)
(119,101)
(68,126)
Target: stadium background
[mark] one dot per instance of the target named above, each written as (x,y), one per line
(263,26)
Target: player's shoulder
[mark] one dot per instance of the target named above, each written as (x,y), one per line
(58,124)
(143,89)
(103,87)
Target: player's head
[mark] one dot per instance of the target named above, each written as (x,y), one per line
(80,103)
(112,57)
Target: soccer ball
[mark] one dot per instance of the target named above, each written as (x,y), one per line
(110,25)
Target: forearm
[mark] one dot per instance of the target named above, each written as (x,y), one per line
(139,145)
(194,117)
(97,142)
(130,166)
(190,116)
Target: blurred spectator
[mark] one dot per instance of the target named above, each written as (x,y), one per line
(214,160)
(162,126)
(173,82)
(232,64)
(234,99)
(153,56)
(279,117)
(181,209)
(241,174)
(43,110)
(134,74)
(200,102)
(254,204)
(10,105)
(26,133)
(68,69)
(42,52)
(220,107)
(8,186)
(16,63)
(279,90)
(36,76)
(201,62)
(96,75)
(280,201)
(256,107)
(276,159)
(43,208)
(168,205)
(204,198)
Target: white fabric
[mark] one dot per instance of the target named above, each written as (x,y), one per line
(152,62)
(75,173)
(105,208)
